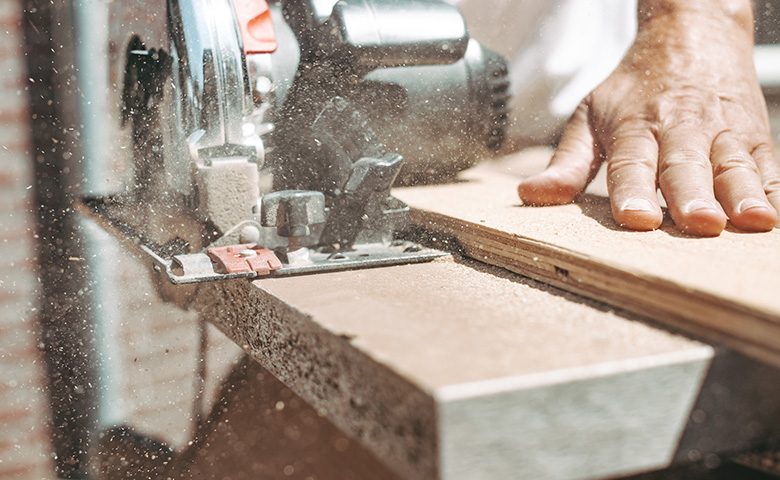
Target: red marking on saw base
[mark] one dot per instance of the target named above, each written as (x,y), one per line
(230,260)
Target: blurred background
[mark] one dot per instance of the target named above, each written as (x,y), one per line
(96,374)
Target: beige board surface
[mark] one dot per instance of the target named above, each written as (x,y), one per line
(445,324)
(726,289)
(458,370)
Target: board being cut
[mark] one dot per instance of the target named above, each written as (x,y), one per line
(725,289)
(449,370)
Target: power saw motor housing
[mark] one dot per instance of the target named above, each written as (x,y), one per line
(285,124)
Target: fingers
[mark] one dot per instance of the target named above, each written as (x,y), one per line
(571,168)
(705,181)
(738,185)
(770,173)
(685,178)
(632,165)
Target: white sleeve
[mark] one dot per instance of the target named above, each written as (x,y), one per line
(558,51)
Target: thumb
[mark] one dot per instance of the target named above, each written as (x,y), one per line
(571,168)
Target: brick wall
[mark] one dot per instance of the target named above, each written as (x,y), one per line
(24,439)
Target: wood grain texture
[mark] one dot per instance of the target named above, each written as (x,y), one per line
(457,370)
(724,289)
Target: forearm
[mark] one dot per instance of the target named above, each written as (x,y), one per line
(679,33)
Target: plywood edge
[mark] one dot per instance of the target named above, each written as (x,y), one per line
(694,312)
(602,420)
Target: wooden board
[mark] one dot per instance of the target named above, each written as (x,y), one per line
(724,289)
(460,371)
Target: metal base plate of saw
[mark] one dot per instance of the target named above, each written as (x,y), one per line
(181,268)
(267,135)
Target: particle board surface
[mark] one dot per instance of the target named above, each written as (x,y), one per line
(461,371)
(445,324)
(726,289)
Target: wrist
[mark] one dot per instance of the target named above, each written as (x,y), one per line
(734,12)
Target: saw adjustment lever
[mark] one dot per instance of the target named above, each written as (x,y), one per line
(292,213)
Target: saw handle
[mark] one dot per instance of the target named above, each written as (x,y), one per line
(257,27)
(371,34)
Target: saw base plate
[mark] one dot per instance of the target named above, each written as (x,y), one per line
(182,267)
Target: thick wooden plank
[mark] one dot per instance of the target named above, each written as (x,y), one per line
(460,371)
(725,289)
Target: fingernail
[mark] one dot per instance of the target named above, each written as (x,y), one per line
(637,205)
(751,203)
(697,205)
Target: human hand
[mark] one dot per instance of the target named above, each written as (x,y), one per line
(683,111)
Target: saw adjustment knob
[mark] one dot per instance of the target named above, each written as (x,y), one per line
(292,212)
